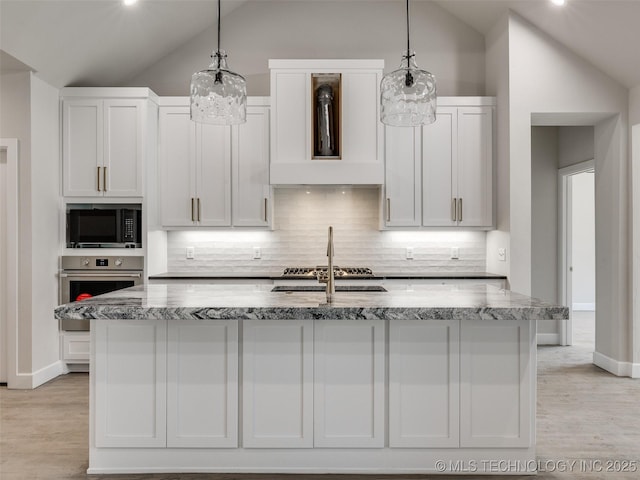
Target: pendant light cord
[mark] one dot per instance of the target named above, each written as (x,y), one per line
(408,79)
(408,46)
(219,27)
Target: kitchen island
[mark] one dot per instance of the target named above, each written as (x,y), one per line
(222,378)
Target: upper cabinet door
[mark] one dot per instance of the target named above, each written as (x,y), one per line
(251,190)
(291,142)
(439,163)
(82,147)
(402,177)
(213,175)
(177,167)
(103,147)
(475,158)
(124,139)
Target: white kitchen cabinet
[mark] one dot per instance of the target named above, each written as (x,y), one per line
(497,389)
(195,167)
(359,130)
(424,384)
(403,181)
(103,143)
(212,175)
(457,168)
(130,382)
(75,347)
(202,384)
(441,175)
(250,168)
(277,384)
(349,395)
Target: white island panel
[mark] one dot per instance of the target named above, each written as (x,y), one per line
(349,383)
(497,373)
(130,388)
(277,384)
(424,388)
(202,387)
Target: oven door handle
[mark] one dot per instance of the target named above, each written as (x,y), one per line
(101,275)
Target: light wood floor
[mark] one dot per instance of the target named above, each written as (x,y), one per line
(584,414)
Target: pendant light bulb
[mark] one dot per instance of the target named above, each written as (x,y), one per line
(408,95)
(218,95)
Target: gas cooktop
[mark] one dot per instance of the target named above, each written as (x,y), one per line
(321,271)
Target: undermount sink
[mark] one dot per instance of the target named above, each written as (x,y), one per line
(322,288)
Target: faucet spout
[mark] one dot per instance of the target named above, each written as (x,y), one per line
(331,287)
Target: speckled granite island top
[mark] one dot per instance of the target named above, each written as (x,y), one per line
(425,302)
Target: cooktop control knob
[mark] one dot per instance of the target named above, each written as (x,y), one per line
(85,262)
(118,262)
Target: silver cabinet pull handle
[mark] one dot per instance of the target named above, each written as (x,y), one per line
(388,209)
(265,209)
(454,207)
(459,209)
(199,210)
(97,276)
(98,178)
(193,219)
(104,179)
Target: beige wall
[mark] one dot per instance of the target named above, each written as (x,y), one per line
(258,31)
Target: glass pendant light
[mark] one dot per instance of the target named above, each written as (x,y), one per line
(408,94)
(218,95)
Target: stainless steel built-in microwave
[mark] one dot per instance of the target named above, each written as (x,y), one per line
(104,226)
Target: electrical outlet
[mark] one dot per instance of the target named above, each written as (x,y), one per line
(191,253)
(257,253)
(502,254)
(409,253)
(455,253)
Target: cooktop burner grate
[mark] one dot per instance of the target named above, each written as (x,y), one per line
(321,271)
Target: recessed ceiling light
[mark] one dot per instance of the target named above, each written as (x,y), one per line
(128,3)
(559,2)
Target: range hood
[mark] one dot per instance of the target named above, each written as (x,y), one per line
(325,127)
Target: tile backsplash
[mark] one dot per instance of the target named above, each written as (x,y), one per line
(302,216)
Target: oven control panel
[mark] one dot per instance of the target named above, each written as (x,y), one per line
(102,263)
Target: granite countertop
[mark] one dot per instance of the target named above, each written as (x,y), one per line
(278,276)
(202,302)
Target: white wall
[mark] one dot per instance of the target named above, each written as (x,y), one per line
(255,32)
(299,238)
(583,245)
(29,112)
(497,78)
(634,121)
(15,122)
(3,266)
(45,205)
(546,78)
(544,220)
(575,145)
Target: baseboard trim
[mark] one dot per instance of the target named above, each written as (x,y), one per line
(584,307)
(620,369)
(29,381)
(548,339)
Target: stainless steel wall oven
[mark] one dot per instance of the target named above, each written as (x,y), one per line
(83,277)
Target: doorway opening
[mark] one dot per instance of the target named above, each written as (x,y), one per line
(576,266)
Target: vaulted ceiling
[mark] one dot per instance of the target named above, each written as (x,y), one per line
(88,42)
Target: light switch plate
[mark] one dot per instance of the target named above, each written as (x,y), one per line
(502,254)
(455,253)
(257,253)
(191,253)
(409,253)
